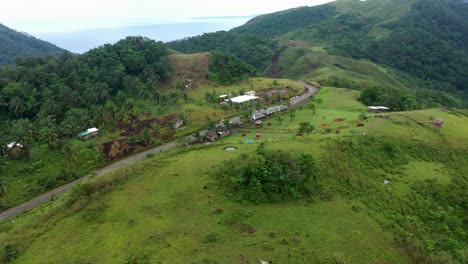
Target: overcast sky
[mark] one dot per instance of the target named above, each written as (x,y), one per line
(41,16)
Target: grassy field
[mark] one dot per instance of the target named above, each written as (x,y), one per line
(311,61)
(170,209)
(166,214)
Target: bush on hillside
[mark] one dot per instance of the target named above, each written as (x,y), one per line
(229,69)
(269,176)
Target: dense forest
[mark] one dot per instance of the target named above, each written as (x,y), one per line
(228,69)
(16,44)
(46,98)
(253,50)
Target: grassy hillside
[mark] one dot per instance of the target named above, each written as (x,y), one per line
(169,208)
(46,168)
(306,60)
(426,39)
(16,44)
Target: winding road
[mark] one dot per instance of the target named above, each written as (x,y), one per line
(311,91)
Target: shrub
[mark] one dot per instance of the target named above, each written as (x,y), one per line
(269,176)
(210,238)
(11,252)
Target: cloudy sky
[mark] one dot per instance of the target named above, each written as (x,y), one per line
(41,16)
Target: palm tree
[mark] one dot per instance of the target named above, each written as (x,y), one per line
(48,131)
(91,96)
(23,131)
(51,107)
(17,105)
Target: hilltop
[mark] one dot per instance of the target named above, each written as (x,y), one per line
(17,44)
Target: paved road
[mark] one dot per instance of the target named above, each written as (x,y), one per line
(312,90)
(60,190)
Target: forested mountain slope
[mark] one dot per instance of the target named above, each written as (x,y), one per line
(254,50)
(14,44)
(426,38)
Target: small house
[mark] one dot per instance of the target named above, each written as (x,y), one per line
(210,135)
(378,109)
(270,111)
(243,98)
(251,93)
(17,150)
(257,116)
(178,123)
(89,133)
(236,121)
(282,108)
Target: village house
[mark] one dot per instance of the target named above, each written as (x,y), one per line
(257,116)
(178,123)
(236,121)
(210,135)
(89,133)
(17,150)
(378,109)
(269,112)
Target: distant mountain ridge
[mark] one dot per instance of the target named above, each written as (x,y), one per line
(425,38)
(14,44)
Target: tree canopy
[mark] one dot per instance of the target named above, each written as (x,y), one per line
(14,44)
(70,93)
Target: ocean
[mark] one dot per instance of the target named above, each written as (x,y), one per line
(80,41)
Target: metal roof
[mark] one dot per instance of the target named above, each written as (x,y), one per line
(13,144)
(88,131)
(257,115)
(243,99)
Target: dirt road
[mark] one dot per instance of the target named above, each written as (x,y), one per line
(312,90)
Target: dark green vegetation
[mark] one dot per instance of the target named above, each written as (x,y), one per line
(228,69)
(253,50)
(76,90)
(16,44)
(269,176)
(46,101)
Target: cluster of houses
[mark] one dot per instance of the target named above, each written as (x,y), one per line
(221,130)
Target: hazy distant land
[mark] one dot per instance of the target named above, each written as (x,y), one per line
(84,40)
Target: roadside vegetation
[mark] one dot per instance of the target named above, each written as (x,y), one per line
(329,212)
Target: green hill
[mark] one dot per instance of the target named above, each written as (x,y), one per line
(252,49)
(421,43)
(172,208)
(326,181)
(16,44)
(427,39)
